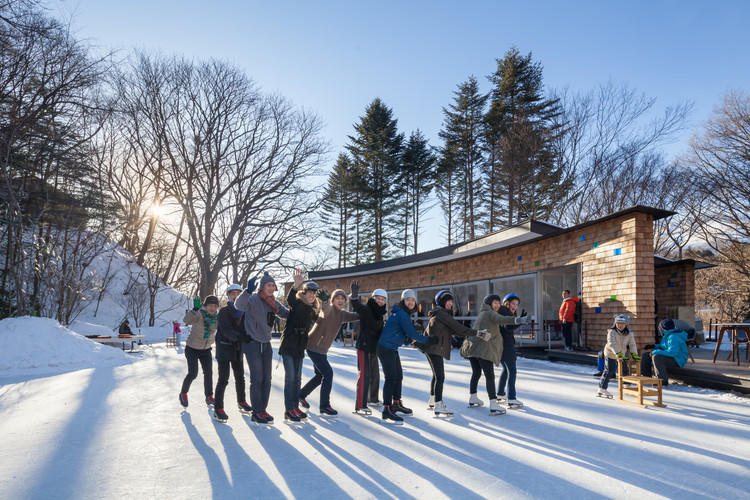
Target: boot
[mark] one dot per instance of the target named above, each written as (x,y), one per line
(389,414)
(431,402)
(398,407)
(474,401)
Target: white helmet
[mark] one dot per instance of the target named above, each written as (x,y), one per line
(379,292)
(233,286)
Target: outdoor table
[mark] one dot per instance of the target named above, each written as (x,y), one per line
(116,340)
(733,329)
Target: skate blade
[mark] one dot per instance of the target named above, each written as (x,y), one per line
(221,420)
(292,423)
(330,417)
(514,407)
(475,405)
(391,422)
(604,396)
(443,415)
(363,413)
(496,413)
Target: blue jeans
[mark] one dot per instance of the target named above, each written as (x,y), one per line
(259,357)
(508,376)
(323,378)
(292,380)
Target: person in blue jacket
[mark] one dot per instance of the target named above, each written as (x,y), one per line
(672,352)
(395,331)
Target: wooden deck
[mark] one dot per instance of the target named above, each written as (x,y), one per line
(723,375)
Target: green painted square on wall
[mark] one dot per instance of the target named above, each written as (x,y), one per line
(674,275)
(536,263)
(613,298)
(596,245)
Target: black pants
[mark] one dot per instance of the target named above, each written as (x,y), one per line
(259,357)
(656,365)
(479,365)
(372,359)
(194,356)
(394,375)
(239,381)
(567,331)
(438,376)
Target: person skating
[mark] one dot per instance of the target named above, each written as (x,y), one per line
(620,344)
(370,327)
(304,307)
(395,331)
(229,355)
(202,320)
(671,352)
(443,326)
(508,359)
(330,319)
(260,309)
(483,355)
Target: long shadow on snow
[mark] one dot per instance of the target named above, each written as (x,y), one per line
(216,474)
(68,460)
(294,470)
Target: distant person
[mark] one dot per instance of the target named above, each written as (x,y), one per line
(203,320)
(176,331)
(229,355)
(620,344)
(260,309)
(671,353)
(125,328)
(567,317)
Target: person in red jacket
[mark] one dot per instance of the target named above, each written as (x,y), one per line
(567,317)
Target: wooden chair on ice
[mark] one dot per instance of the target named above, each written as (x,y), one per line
(644,386)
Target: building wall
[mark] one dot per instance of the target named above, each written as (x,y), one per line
(675,289)
(617,266)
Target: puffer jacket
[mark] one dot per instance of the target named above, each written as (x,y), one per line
(509,339)
(443,326)
(492,350)
(397,328)
(674,345)
(619,341)
(197,338)
(370,324)
(228,345)
(301,318)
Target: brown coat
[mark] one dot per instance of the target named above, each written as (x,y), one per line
(442,325)
(327,326)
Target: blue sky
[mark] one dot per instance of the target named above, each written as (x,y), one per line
(334,58)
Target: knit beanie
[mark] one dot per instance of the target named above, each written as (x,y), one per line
(666,325)
(211,299)
(266,279)
(408,293)
(338,291)
(622,318)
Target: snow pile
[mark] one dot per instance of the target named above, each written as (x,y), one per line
(43,346)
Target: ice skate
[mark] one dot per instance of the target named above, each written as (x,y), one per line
(495,408)
(431,402)
(244,407)
(514,403)
(301,414)
(304,404)
(442,411)
(328,412)
(604,393)
(377,402)
(363,411)
(210,400)
(398,407)
(389,416)
(291,418)
(268,417)
(503,400)
(220,415)
(259,420)
(183,399)
(474,401)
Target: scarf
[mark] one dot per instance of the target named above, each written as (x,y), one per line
(271,301)
(377,311)
(209,320)
(408,311)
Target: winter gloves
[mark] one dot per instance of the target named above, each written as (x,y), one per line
(323,295)
(621,355)
(485,335)
(197,303)
(251,285)
(523,320)
(635,357)
(355,290)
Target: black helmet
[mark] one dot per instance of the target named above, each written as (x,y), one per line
(491,298)
(310,286)
(442,297)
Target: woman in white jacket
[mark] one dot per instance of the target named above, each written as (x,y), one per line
(620,340)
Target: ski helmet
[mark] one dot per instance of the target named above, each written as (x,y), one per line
(233,286)
(311,286)
(442,297)
(511,296)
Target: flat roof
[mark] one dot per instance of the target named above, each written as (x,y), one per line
(526,232)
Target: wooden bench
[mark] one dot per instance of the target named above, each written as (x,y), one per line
(116,340)
(172,341)
(641,389)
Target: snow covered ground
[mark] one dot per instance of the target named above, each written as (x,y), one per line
(81,420)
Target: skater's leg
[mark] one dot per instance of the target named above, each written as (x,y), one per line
(221,384)
(489,377)
(238,370)
(374,373)
(476,372)
(255,364)
(297,380)
(610,365)
(511,364)
(207,363)
(399,379)
(388,359)
(266,352)
(503,379)
(324,371)
(290,402)
(438,375)
(192,361)
(314,382)
(363,380)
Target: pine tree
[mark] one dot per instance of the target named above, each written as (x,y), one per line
(462,157)
(418,173)
(520,133)
(338,206)
(376,151)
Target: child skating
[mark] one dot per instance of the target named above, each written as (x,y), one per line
(620,344)
(202,336)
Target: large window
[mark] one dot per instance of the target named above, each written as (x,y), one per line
(524,286)
(553,282)
(468,298)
